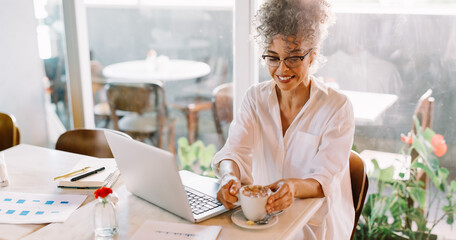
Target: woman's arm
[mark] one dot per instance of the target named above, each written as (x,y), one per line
(229,167)
(241,140)
(286,190)
(229,183)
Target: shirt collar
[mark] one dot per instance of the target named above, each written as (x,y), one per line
(317,85)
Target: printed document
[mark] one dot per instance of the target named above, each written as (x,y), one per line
(31,208)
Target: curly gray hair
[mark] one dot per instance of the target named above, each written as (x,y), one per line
(308,19)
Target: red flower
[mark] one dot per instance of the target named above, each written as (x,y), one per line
(407,139)
(102,192)
(440,147)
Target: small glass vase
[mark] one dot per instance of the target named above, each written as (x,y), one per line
(105,218)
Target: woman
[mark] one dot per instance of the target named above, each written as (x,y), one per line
(292,133)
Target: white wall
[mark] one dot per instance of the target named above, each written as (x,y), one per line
(22,71)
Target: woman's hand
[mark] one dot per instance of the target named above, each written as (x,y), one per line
(230,186)
(283,196)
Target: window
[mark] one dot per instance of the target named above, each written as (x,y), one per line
(394,47)
(201,31)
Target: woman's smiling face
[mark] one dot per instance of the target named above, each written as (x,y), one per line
(288,78)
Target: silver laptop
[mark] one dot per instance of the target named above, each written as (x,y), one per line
(152,174)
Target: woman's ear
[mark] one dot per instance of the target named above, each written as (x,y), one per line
(313,55)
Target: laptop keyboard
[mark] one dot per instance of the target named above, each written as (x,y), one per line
(200,202)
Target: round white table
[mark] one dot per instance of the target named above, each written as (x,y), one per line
(140,72)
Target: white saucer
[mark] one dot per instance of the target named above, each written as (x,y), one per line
(239,219)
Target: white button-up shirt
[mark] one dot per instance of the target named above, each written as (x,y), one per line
(316,145)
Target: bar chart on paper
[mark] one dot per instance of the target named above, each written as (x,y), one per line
(30,208)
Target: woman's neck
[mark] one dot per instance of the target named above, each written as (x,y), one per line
(294,99)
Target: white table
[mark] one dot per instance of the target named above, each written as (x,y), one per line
(139,71)
(368,106)
(32,169)
(400,163)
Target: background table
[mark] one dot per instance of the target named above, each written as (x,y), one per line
(32,169)
(368,106)
(139,72)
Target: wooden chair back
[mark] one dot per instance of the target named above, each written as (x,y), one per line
(424,110)
(9,132)
(222,108)
(359,184)
(146,99)
(90,142)
(141,99)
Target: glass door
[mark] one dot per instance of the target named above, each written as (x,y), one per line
(51,46)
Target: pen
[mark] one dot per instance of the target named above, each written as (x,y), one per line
(87,174)
(71,173)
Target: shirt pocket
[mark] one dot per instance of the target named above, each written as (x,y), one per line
(305,147)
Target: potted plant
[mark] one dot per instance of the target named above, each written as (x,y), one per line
(399,209)
(196,157)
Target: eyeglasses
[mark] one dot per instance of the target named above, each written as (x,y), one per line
(291,62)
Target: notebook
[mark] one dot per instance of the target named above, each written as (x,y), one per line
(105,178)
(152,174)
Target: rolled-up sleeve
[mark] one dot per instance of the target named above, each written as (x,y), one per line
(241,140)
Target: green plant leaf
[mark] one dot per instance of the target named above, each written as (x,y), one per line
(187,154)
(416,164)
(196,148)
(453,185)
(387,174)
(182,142)
(450,219)
(376,173)
(206,154)
(420,147)
(418,195)
(449,209)
(428,134)
(420,184)
(417,125)
(183,152)
(432,175)
(443,173)
(432,161)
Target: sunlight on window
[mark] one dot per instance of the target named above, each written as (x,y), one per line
(219,4)
(44,41)
(40,9)
(435,7)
